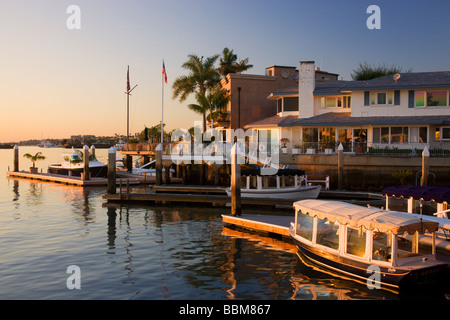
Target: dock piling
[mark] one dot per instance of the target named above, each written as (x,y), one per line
(86,163)
(16,158)
(340,167)
(112,170)
(235,182)
(158,153)
(425,166)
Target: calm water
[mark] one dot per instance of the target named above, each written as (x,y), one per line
(149,252)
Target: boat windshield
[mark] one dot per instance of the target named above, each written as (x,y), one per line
(305,225)
(356,241)
(328,234)
(408,247)
(382,246)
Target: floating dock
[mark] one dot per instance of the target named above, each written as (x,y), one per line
(122,178)
(273,225)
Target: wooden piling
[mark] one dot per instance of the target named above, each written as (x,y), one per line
(340,167)
(425,167)
(158,153)
(112,170)
(16,158)
(235,182)
(86,163)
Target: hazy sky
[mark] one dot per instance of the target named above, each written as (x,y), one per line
(56,82)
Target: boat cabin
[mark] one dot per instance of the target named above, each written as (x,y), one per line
(367,234)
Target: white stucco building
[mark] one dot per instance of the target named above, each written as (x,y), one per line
(400,113)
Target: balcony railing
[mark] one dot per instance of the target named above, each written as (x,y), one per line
(375,149)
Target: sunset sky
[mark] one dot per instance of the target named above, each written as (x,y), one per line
(56,82)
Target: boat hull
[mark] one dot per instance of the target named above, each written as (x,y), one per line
(299,193)
(95,171)
(392,277)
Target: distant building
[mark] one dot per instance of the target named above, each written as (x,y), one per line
(407,111)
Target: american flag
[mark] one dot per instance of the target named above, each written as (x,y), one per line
(128,79)
(164,72)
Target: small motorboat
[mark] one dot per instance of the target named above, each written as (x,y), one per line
(150,169)
(368,244)
(72,165)
(295,192)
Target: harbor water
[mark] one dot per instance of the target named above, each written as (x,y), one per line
(152,252)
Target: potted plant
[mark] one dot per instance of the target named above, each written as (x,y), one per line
(296,149)
(34,158)
(283,146)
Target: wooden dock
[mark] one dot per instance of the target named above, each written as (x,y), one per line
(272,225)
(122,178)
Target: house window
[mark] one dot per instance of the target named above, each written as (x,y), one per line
(436,98)
(418,135)
(290,104)
(310,134)
(280,105)
(335,102)
(446,133)
(331,102)
(399,135)
(381,135)
(347,101)
(442,133)
(381,98)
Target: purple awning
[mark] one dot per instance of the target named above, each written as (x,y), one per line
(437,194)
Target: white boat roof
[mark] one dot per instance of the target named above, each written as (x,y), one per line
(371,218)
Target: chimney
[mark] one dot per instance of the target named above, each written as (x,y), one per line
(306,86)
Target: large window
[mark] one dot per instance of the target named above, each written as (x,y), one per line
(436,98)
(398,135)
(335,102)
(310,134)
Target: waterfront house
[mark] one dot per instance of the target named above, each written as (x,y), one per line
(402,113)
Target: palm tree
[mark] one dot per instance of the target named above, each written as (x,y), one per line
(34,158)
(202,76)
(217,99)
(229,64)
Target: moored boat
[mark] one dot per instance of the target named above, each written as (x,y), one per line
(72,165)
(369,244)
(295,192)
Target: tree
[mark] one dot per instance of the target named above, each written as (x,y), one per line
(229,64)
(34,158)
(217,99)
(367,72)
(202,75)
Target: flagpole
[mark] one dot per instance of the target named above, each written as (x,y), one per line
(162,108)
(128,93)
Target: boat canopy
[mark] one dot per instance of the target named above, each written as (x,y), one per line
(371,218)
(426,193)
